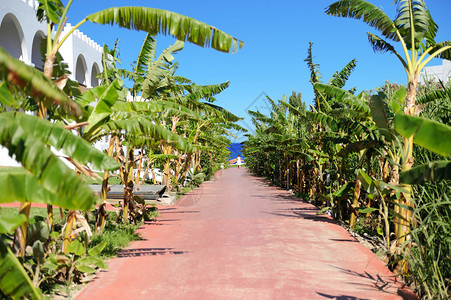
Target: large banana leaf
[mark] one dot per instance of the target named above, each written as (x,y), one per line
(197,92)
(446,46)
(397,100)
(429,134)
(33,83)
(380,45)
(146,54)
(339,78)
(6,98)
(315,75)
(50,10)
(106,96)
(144,127)
(14,281)
(381,114)
(33,153)
(365,11)
(9,223)
(25,187)
(434,171)
(220,112)
(157,70)
(414,12)
(342,96)
(157,21)
(155,106)
(59,138)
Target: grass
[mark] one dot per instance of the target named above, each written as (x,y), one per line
(113,179)
(34,212)
(116,235)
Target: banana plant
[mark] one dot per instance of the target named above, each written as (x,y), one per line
(337,80)
(431,135)
(14,280)
(152,20)
(414,28)
(45,178)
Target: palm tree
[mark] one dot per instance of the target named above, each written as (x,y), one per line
(44,178)
(415,30)
(147,19)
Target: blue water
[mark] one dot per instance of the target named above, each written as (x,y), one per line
(235,149)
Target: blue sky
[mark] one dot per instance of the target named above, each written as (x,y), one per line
(276,36)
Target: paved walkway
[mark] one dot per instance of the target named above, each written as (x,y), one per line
(237,237)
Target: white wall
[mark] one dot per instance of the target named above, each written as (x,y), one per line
(18,29)
(80,48)
(441,72)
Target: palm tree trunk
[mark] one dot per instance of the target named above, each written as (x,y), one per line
(355,202)
(128,190)
(406,200)
(71,218)
(101,218)
(167,166)
(20,236)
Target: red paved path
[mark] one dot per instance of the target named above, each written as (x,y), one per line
(239,238)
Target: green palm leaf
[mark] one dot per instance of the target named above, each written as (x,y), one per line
(106,96)
(434,171)
(414,12)
(60,138)
(379,44)
(155,106)
(339,78)
(342,96)
(157,70)
(429,134)
(162,21)
(367,12)
(14,281)
(24,187)
(381,114)
(146,54)
(446,47)
(397,100)
(144,127)
(31,82)
(35,156)
(197,92)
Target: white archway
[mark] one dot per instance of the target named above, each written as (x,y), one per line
(12,37)
(81,70)
(36,57)
(94,71)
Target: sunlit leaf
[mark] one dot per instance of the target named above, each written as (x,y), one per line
(429,134)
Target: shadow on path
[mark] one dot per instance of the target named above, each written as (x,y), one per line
(377,282)
(340,297)
(149,252)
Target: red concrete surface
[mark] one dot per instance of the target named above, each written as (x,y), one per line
(237,237)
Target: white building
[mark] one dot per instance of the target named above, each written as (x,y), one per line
(436,73)
(21,35)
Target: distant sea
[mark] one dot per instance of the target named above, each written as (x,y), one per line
(235,149)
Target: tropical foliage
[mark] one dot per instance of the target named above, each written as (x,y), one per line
(345,155)
(62,123)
